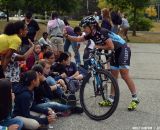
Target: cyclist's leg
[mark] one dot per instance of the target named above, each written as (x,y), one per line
(127,78)
(115,72)
(124,62)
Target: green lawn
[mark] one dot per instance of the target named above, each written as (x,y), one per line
(140,38)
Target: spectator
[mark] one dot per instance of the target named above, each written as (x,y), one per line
(44,40)
(116,20)
(125,27)
(24,97)
(106,19)
(10,42)
(33,29)
(89,46)
(6,121)
(96,17)
(75,45)
(55,30)
(13,71)
(35,56)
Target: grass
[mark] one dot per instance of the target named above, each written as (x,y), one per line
(156,27)
(140,38)
(145,38)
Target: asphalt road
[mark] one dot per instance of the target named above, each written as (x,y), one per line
(145,70)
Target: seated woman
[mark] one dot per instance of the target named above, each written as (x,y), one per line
(68,71)
(72,69)
(43,96)
(35,56)
(49,79)
(24,97)
(6,122)
(13,69)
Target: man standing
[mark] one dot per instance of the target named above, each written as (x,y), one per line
(33,29)
(55,30)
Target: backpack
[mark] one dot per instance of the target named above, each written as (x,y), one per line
(73,85)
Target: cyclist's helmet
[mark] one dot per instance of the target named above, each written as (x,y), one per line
(87,21)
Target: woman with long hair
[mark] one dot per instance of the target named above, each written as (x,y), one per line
(10,42)
(106,19)
(6,107)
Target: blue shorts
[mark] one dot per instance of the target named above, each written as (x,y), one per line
(119,67)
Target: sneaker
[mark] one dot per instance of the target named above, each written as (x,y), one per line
(105,103)
(69,99)
(63,114)
(77,110)
(133,105)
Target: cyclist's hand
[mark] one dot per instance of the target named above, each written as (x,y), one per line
(65,33)
(96,47)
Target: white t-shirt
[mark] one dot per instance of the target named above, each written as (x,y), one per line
(12,71)
(92,44)
(96,18)
(42,41)
(125,23)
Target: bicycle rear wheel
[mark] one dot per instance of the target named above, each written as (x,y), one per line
(89,98)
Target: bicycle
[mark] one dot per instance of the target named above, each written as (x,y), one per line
(103,82)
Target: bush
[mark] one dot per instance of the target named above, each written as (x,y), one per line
(143,23)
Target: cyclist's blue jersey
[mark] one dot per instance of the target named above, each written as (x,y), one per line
(103,34)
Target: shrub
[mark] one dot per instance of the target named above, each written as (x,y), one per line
(143,23)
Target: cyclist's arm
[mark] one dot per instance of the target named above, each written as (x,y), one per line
(107,46)
(75,39)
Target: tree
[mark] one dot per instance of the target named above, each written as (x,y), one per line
(151,11)
(102,4)
(133,5)
(10,5)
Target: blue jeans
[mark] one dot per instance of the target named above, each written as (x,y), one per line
(58,92)
(55,106)
(50,80)
(74,47)
(12,121)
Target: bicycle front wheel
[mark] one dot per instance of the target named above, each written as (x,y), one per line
(90,96)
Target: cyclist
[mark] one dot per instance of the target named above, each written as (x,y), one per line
(119,63)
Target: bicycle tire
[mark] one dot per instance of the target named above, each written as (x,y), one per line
(116,98)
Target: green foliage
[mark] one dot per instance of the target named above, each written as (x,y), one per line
(142,23)
(39,6)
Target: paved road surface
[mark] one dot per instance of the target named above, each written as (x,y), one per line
(145,69)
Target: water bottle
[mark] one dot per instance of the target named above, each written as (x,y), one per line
(50,126)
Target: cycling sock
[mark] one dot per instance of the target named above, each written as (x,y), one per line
(111,98)
(134,97)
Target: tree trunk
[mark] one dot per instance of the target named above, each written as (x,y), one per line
(7,12)
(135,21)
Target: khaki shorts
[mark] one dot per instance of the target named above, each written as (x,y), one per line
(29,123)
(58,43)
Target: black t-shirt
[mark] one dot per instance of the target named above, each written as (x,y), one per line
(42,92)
(71,69)
(57,67)
(33,27)
(106,24)
(99,37)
